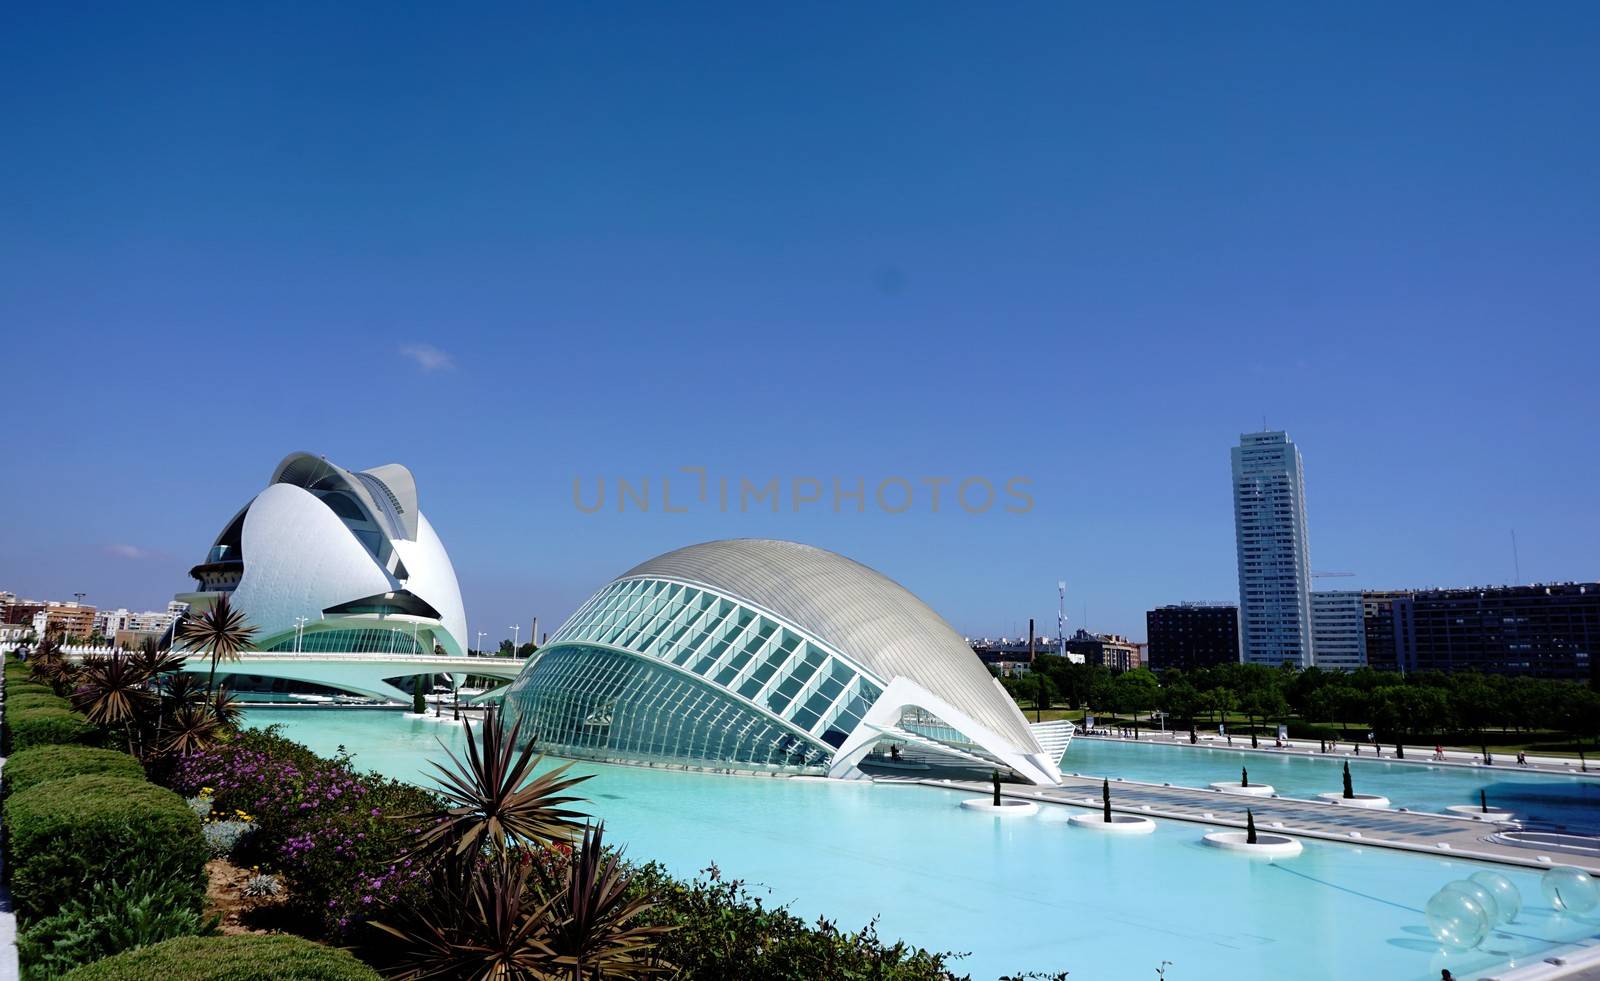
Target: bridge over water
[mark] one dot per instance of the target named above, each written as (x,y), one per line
(361,674)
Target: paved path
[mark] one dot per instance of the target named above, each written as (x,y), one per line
(1406,830)
(8,916)
(1414,754)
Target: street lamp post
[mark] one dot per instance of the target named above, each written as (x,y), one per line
(299,631)
(480,640)
(516,637)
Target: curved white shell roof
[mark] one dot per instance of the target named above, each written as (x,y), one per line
(300,558)
(858,611)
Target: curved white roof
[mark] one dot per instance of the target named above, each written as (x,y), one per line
(860,612)
(300,558)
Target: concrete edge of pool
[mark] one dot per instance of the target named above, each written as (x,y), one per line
(1549,766)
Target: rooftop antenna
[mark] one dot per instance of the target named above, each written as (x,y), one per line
(1061,618)
(1516,562)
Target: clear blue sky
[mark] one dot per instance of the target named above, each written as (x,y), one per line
(1086,244)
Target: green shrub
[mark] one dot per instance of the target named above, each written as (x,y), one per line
(35,766)
(112,918)
(66,835)
(247,957)
(16,689)
(719,929)
(46,726)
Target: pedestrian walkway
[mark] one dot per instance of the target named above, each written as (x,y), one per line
(1405,830)
(1386,753)
(8,917)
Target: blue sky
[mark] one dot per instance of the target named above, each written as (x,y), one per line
(1088,245)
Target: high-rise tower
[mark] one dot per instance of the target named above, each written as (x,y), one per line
(1269,517)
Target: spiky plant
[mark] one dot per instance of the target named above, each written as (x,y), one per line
(597,933)
(153,662)
(1244,776)
(221,633)
(1105,800)
(1249,827)
(481,922)
(191,729)
(182,689)
(225,708)
(1349,791)
(49,664)
(492,798)
(112,692)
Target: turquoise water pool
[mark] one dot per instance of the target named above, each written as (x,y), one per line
(1018,894)
(1555,800)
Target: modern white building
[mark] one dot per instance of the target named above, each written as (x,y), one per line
(1269,514)
(328,560)
(1339,629)
(773,657)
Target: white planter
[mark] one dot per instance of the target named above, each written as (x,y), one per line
(1359,800)
(1254,790)
(1007,807)
(1267,845)
(1477,813)
(1121,824)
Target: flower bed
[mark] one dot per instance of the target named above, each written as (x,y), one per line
(330,830)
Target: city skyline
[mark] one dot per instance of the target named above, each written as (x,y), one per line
(1017,628)
(1087,247)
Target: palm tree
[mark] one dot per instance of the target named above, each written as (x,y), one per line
(112,691)
(597,933)
(493,800)
(220,632)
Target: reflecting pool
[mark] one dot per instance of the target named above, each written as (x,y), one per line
(1546,798)
(1018,894)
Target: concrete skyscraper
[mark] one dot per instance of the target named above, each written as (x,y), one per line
(1269,516)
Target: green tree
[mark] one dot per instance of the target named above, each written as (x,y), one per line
(221,633)
(1473,703)
(1219,701)
(1134,692)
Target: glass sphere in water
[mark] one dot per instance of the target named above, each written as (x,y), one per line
(1456,920)
(1570,890)
(1480,894)
(1507,897)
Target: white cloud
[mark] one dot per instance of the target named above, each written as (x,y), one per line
(125,551)
(428,357)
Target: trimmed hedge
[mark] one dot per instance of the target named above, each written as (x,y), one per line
(66,835)
(32,767)
(16,689)
(35,699)
(30,727)
(246,957)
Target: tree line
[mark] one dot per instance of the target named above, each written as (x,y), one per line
(1394,706)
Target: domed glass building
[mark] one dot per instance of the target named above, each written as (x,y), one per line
(329,560)
(768,656)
